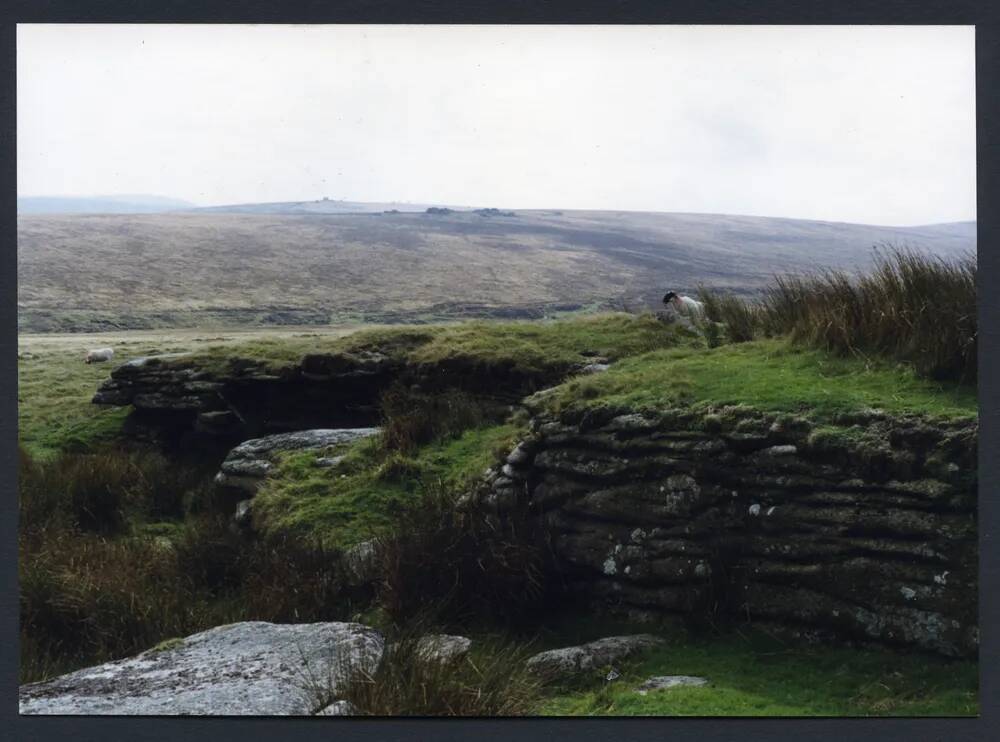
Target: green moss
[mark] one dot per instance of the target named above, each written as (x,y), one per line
(369,491)
(529,346)
(752,675)
(770,375)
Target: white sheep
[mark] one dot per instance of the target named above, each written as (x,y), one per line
(99,355)
(685,305)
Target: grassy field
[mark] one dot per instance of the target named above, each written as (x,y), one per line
(753,674)
(55,385)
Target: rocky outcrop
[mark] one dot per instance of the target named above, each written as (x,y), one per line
(184,398)
(195,399)
(666,682)
(569,661)
(864,529)
(247,465)
(252,668)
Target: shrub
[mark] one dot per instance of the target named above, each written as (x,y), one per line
(411,418)
(288,580)
(97,491)
(209,553)
(467,565)
(38,503)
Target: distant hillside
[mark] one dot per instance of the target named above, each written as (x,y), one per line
(128,204)
(321,206)
(89,272)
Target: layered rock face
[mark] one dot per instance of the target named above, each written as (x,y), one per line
(180,397)
(175,398)
(865,529)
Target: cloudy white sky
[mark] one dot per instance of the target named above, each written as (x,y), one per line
(861,124)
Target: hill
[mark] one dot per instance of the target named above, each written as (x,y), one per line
(320,206)
(127,204)
(97,272)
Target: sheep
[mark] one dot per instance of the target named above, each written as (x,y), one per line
(99,355)
(685,305)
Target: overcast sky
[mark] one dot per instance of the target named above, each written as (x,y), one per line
(860,124)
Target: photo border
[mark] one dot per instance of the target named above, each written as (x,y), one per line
(904,12)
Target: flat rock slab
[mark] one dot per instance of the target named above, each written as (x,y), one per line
(246,465)
(594,655)
(243,669)
(445,649)
(664,682)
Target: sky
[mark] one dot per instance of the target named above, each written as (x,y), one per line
(868,124)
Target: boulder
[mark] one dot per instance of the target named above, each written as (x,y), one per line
(248,464)
(665,682)
(243,669)
(569,661)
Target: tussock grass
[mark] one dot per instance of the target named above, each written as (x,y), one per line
(912,308)
(740,319)
(490,681)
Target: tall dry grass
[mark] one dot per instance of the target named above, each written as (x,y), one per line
(412,418)
(466,566)
(94,586)
(493,680)
(912,307)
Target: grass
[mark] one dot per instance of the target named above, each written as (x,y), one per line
(490,681)
(366,494)
(54,389)
(773,375)
(756,675)
(529,347)
(54,410)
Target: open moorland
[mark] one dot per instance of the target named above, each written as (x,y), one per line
(293,265)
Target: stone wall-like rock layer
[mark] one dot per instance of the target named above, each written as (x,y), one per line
(865,529)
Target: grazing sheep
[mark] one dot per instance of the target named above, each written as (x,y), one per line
(685,305)
(100,355)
